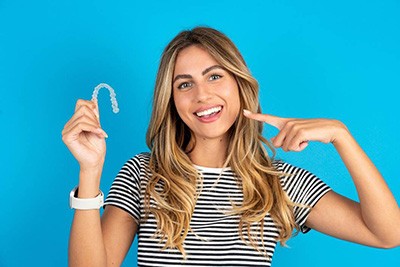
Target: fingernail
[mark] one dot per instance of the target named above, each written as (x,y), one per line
(102,132)
(246,112)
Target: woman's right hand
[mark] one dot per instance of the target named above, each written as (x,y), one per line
(83,136)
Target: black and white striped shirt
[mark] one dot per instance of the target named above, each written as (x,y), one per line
(215,239)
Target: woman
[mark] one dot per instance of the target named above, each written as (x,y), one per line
(208,194)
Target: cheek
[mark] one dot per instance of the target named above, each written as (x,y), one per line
(181,105)
(234,99)
(178,102)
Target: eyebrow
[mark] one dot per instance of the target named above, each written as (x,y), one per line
(204,72)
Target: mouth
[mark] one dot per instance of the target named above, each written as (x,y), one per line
(207,113)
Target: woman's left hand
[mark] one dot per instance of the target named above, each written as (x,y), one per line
(294,134)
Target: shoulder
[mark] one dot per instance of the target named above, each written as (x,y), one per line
(286,170)
(141,157)
(135,167)
(283,166)
(138,161)
(301,185)
(291,175)
(125,191)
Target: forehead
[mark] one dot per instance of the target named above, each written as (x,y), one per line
(193,59)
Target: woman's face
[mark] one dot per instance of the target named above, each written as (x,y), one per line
(206,96)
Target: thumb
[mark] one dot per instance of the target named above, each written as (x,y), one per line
(96,109)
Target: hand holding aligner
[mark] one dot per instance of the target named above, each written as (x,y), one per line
(114,102)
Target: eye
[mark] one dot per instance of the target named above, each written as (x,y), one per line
(215,77)
(184,85)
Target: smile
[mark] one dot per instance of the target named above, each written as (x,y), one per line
(208,112)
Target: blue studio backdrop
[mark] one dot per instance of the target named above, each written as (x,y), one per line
(337,59)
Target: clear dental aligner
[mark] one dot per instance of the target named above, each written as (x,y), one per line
(114,103)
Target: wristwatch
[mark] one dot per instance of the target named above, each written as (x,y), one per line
(85,203)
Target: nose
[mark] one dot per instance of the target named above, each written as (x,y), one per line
(203,93)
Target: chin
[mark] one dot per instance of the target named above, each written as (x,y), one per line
(212,134)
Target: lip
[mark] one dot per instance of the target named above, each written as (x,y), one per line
(212,118)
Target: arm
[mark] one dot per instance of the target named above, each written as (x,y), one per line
(118,239)
(86,243)
(374,221)
(99,242)
(94,241)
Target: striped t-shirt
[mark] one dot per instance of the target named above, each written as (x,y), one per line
(214,239)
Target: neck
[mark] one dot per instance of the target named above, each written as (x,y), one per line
(209,152)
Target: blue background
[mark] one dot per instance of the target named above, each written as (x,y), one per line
(336,60)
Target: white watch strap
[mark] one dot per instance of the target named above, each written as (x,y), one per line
(85,203)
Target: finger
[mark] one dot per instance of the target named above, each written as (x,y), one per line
(96,109)
(74,132)
(89,104)
(297,141)
(84,127)
(302,146)
(83,111)
(81,119)
(286,134)
(278,140)
(275,121)
(82,102)
(294,132)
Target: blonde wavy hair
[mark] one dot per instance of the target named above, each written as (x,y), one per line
(172,190)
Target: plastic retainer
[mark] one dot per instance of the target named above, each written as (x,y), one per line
(114,103)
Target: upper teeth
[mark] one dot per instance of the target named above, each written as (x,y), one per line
(208,111)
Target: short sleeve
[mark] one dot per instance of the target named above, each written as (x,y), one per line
(303,188)
(125,190)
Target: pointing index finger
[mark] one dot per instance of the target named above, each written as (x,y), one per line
(275,121)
